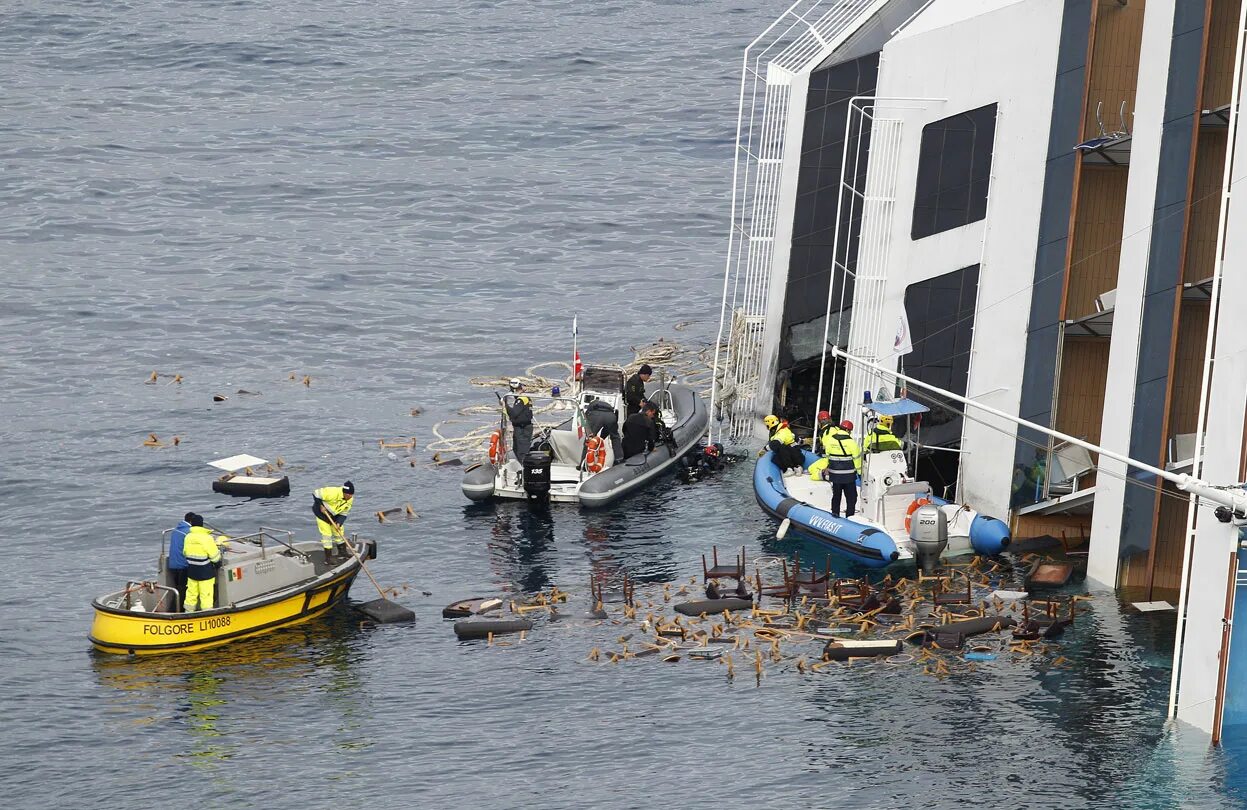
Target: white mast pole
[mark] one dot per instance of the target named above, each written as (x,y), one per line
(1214,302)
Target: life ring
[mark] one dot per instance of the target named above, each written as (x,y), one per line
(913,507)
(496,449)
(595,454)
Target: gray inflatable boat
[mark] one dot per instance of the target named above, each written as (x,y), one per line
(557,469)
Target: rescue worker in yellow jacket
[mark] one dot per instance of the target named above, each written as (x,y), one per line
(783,444)
(840,465)
(202,557)
(330,505)
(880,439)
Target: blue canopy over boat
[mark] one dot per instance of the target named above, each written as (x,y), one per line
(897,407)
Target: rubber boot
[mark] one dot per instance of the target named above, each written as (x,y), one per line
(342,552)
(328,559)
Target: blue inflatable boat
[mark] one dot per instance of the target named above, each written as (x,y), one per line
(871,542)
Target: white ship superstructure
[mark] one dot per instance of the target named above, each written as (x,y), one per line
(1034,195)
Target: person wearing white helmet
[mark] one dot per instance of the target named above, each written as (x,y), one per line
(520,412)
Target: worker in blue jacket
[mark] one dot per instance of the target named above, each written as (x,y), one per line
(175,562)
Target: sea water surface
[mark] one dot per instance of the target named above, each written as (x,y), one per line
(392,197)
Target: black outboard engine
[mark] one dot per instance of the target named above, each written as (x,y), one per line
(928,528)
(537,476)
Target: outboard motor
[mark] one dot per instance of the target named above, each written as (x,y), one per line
(537,476)
(928,528)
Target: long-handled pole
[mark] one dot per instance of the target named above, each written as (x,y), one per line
(342,536)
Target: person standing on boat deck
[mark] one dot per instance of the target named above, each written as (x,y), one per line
(881,439)
(823,427)
(782,443)
(638,431)
(603,421)
(634,389)
(202,556)
(520,412)
(330,505)
(175,562)
(840,465)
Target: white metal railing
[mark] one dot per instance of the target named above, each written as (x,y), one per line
(792,46)
(869,331)
(872,142)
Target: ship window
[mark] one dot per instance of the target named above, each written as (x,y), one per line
(954,169)
(941,322)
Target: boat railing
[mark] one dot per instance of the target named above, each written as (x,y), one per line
(133,592)
(267,533)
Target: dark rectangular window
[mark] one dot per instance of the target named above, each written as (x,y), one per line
(954,167)
(941,324)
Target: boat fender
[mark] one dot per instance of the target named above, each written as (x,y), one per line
(482,628)
(700,606)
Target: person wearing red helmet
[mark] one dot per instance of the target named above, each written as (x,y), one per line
(822,426)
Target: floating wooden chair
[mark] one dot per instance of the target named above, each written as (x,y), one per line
(812,582)
(943,597)
(734,571)
(852,593)
(787,589)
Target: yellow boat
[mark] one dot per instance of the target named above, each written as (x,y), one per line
(265,581)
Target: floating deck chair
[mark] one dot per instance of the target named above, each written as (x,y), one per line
(734,571)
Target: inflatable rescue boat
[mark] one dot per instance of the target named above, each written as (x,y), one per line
(565,465)
(879,534)
(265,581)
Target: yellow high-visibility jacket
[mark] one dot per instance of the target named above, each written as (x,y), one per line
(784,435)
(202,553)
(881,439)
(335,501)
(838,443)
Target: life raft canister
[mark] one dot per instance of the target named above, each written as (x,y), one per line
(595,454)
(913,507)
(496,450)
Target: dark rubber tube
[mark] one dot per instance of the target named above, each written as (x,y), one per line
(953,636)
(712,606)
(481,628)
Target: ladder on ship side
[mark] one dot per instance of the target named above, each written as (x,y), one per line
(792,46)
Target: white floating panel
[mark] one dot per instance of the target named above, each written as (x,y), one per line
(236,462)
(1150,607)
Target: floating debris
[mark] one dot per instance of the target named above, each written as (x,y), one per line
(837,623)
(404,510)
